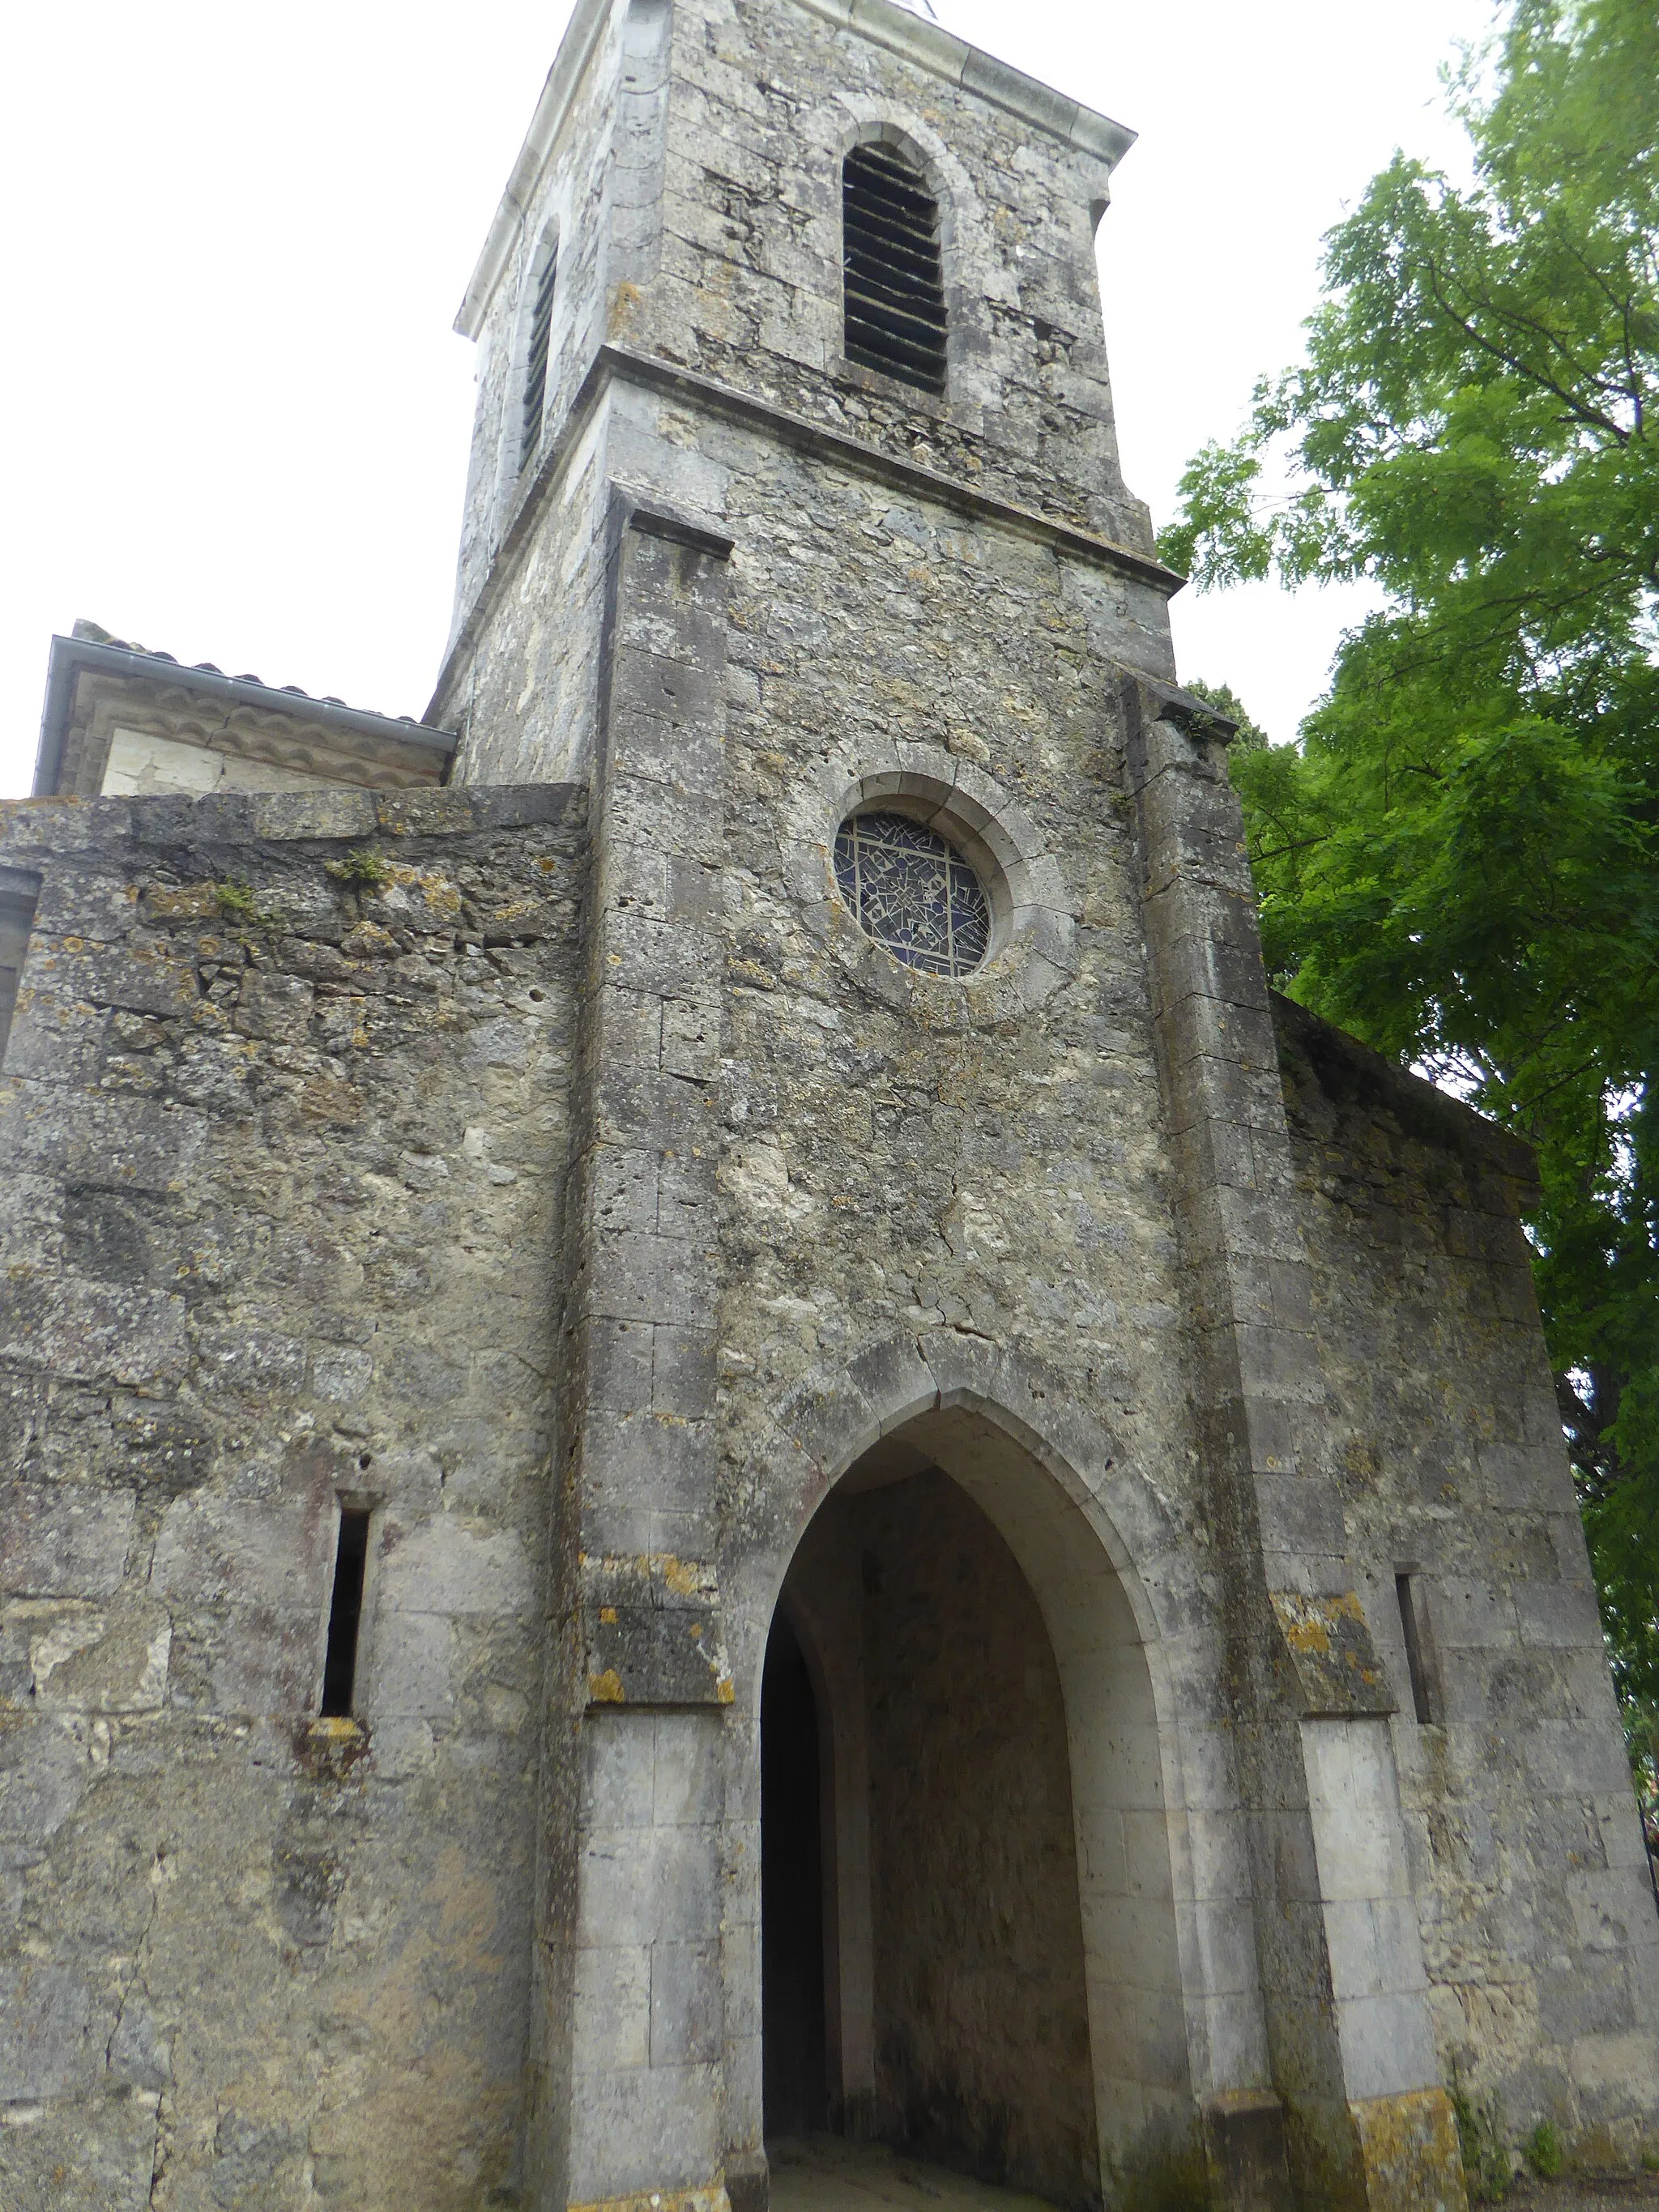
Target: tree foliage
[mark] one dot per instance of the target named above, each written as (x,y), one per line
(1461,860)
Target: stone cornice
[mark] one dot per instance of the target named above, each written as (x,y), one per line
(614,363)
(934,48)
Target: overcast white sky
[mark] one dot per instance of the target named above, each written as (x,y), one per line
(234,417)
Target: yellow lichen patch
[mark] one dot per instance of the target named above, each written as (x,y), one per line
(181,902)
(1308,1635)
(1330,1645)
(506,912)
(684,1577)
(1409,2147)
(437,894)
(711,2198)
(607,1689)
(1307,1622)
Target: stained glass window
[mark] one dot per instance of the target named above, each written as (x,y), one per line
(913,893)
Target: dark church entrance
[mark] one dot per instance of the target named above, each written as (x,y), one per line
(922,1944)
(795,2080)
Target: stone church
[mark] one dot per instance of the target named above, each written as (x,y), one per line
(714,1436)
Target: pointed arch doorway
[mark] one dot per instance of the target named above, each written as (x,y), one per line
(968,1941)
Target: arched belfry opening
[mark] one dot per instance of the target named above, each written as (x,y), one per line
(968,1941)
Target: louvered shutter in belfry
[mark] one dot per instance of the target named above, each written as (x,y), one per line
(535,381)
(894,294)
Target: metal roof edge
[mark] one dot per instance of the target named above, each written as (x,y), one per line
(69,655)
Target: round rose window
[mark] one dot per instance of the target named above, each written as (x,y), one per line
(913,893)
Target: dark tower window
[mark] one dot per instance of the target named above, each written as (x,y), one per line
(894,290)
(345,1615)
(535,376)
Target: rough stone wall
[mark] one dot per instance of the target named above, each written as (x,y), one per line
(765,100)
(893,1154)
(882,1164)
(525,695)
(283,1151)
(284,1231)
(899,1155)
(981,2026)
(1539,1928)
(899,1152)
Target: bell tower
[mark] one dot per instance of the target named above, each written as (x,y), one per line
(926,1129)
(721,239)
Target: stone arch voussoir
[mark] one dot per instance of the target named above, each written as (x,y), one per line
(836,1413)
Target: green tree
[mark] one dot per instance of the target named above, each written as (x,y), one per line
(1461,860)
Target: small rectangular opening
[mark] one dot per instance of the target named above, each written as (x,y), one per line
(345,1615)
(18,894)
(1423,1702)
(535,379)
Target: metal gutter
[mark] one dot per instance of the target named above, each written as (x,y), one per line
(71,655)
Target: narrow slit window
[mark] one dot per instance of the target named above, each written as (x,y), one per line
(18,894)
(535,375)
(345,1615)
(894,287)
(1423,1699)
